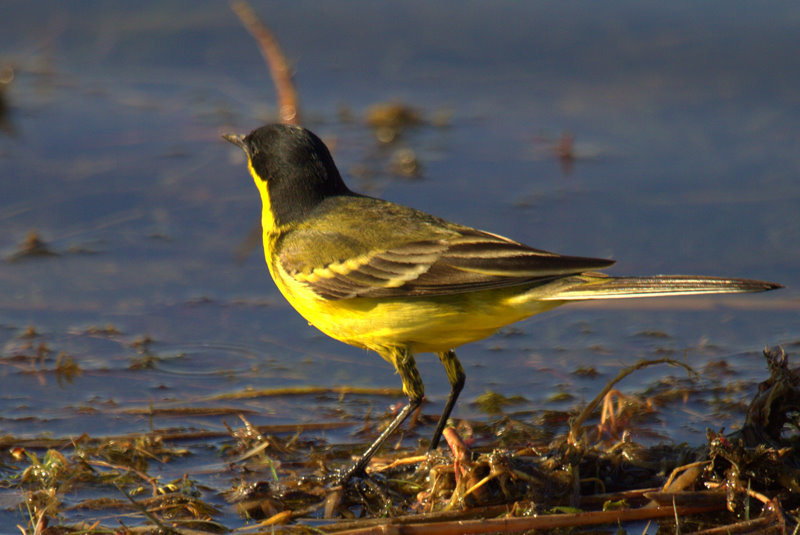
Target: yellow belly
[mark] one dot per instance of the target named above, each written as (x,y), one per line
(422,324)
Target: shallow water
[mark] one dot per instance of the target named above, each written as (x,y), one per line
(686,134)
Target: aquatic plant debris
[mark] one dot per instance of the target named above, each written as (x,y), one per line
(278,479)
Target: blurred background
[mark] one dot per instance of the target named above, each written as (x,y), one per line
(664,136)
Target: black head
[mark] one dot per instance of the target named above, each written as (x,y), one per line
(295,164)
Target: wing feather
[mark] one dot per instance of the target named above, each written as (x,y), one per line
(462,261)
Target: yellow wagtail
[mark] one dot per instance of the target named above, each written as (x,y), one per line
(397,281)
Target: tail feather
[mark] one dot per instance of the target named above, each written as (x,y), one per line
(599,286)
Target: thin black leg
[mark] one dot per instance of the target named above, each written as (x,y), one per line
(412,385)
(456,376)
(361,463)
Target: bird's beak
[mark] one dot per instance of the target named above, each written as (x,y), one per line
(236,139)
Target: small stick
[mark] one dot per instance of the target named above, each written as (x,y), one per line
(575,426)
(288,109)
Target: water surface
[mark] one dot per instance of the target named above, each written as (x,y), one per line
(685,125)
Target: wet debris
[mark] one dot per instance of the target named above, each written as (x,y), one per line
(587,480)
(389,120)
(774,414)
(109,329)
(6,78)
(404,162)
(504,476)
(33,246)
(565,150)
(491,402)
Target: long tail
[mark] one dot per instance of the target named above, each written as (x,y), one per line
(600,286)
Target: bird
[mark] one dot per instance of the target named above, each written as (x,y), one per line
(398,281)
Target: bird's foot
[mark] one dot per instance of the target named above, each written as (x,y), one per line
(343,476)
(339,477)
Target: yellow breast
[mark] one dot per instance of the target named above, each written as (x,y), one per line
(423,324)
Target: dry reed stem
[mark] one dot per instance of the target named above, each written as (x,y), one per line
(288,109)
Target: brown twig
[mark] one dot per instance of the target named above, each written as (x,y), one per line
(750,492)
(575,427)
(288,109)
(152,482)
(153,518)
(772,522)
(518,524)
(688,475)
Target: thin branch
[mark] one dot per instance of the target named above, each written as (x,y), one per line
(288,109)
(575,426)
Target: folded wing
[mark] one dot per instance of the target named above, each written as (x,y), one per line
(465,261)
